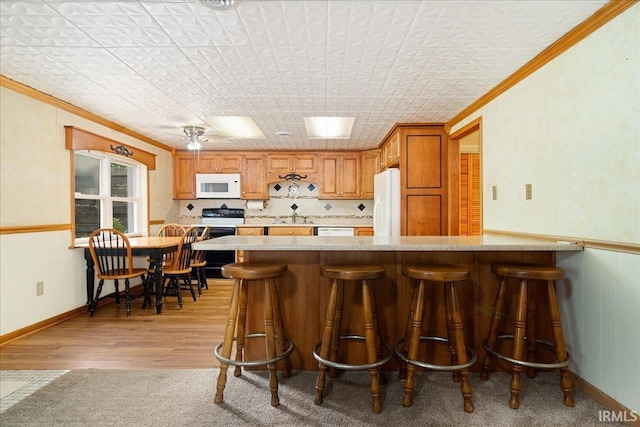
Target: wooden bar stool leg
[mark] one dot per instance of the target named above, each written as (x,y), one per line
(414,341)
(402,373)
(327,337)
(458,339)
(270,341)
(281,337)
(382,377)
(531,330)
(337,327)
(518,344)
(561,351)
(242,322)
(228,341)
(448,308)
(370,341)
(496,318)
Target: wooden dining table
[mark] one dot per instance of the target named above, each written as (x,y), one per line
(152,247)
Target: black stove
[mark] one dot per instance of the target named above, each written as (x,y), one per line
(221,222)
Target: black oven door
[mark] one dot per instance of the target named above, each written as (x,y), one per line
(216,259)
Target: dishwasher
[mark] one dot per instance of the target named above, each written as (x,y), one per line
(336,231)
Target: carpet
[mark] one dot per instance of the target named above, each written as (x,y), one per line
(185,398)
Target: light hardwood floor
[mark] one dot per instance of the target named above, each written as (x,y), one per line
(177,338)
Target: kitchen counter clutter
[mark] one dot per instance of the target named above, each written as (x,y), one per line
(304,292)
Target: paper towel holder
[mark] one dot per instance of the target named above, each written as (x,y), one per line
(256,204)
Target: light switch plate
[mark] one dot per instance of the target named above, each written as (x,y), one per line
(494,189)
(528,191)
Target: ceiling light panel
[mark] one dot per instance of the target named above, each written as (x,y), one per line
(236,127)
(328,127)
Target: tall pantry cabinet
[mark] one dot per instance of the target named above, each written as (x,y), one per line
(423,164)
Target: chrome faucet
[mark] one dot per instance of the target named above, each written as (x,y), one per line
(294,215)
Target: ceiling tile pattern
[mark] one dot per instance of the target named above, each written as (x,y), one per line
(155,66)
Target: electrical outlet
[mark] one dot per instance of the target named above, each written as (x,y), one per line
(528,191)
(495,192)
(39,288)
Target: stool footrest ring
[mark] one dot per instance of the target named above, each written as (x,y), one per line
(346,367)
(431,366)
(252,363)
(524,362)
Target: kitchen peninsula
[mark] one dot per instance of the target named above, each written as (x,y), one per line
(303,290)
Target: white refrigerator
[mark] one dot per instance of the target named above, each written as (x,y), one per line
(386,203)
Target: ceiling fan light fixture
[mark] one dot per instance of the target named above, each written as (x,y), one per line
(193,134)
(219,4)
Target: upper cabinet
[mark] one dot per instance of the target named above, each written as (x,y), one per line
(369,164)
(339,176)
(390,151)
(253,179)
(282,164)
(213,162)
(184,177)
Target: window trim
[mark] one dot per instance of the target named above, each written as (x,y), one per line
(80,140)
(141,198)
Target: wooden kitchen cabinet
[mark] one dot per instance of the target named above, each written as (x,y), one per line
(247,231)
(184,177)
(369,167)
(254,178)
(363,231)
(339,176)
(212,162)
(424,180)
(281,164)
(391,151)
(250,231)
(290,231)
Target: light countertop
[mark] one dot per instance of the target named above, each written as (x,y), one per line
(400,243)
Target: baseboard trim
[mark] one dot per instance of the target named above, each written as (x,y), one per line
(605,400)
(47,323)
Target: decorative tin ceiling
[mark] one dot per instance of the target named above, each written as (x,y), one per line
(156,66)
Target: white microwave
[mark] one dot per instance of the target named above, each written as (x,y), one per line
(218,185)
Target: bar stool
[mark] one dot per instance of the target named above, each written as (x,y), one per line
(245,273)
(525,330)
(329,346)
(462,357)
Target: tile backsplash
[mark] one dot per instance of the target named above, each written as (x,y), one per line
(280,205)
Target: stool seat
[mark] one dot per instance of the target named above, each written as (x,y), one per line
(528,271)
(523,352)
(326,351)
(461,356)
(352,272)
(278,346)
(253,270)
(436,273)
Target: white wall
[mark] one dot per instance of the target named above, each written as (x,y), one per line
(35,189)
(572,130)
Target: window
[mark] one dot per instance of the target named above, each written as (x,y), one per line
(109,192)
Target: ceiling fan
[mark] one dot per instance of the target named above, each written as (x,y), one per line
(196,136)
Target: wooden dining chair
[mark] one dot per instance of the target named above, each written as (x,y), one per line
(178,273)
(111,254)
(199,262)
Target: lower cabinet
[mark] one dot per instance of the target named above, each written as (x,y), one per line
(247,231)
(363,231)
(290,231)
